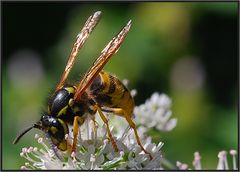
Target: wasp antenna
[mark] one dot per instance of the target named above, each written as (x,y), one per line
(22,133)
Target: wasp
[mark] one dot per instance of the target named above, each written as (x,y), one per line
(97,91)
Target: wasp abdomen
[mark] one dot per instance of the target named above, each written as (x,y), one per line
(110,92)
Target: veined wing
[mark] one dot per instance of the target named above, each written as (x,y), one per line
(80,40)
(111,48)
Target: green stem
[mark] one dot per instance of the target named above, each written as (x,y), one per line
(167,164)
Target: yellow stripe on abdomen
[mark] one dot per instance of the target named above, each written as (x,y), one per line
(105,80)
(113,94)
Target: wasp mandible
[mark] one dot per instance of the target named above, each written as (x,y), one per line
(97,91)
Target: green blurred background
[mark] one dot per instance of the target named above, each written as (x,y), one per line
(186,50)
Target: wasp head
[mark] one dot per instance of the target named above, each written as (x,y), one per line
(55,128)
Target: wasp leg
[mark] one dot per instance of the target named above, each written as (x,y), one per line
(114,144)
(94,127)
(122,113)
(77,121)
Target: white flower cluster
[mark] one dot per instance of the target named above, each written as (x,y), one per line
(93,154)
(155,112)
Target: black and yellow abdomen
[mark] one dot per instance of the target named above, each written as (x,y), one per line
(109,91)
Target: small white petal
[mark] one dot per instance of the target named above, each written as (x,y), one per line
(40,140)
(233,152)
(23,168)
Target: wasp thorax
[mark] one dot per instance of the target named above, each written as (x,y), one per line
(61,100)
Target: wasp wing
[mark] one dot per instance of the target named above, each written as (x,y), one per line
(80,40)
(111,48)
